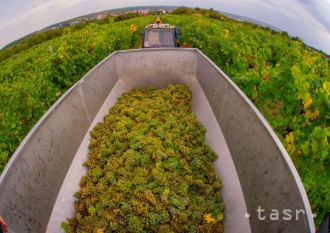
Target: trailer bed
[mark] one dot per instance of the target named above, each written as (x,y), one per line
(224,166)
(37,185)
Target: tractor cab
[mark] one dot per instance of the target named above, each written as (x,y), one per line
(159,35)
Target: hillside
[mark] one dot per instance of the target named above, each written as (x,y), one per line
(287,81)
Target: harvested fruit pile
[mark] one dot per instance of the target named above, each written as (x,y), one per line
(149,169)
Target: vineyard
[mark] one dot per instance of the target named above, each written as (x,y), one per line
(287,81)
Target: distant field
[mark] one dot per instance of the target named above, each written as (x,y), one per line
(287,81)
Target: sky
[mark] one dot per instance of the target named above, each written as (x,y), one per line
(307,19)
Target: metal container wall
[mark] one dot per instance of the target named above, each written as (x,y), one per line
(33,177)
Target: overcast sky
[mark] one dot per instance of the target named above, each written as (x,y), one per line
(308,19)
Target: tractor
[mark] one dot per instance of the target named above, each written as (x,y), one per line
(159,35)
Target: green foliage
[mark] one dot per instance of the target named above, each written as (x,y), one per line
(4,157)
(29,42)
(126,16)
(64,226)
(287,81)
(31,81)
(44,36)
(211,13)
(153,186)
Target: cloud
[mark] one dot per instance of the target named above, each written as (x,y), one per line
(308,19)
(292,16)
(35,16)
(320,9)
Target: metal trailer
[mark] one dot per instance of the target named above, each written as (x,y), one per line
(36,186)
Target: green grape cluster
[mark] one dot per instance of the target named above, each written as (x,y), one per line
(288,82)
(149,169)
